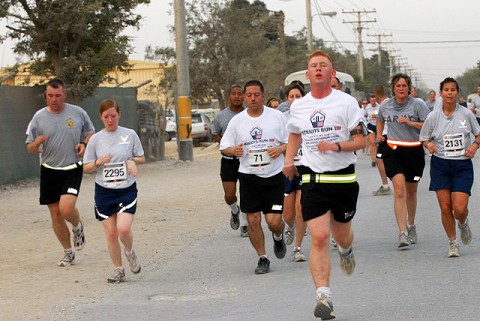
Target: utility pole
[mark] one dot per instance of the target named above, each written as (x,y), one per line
(379,45)
(359,29)
(391,58)
(183,105)
(309,26)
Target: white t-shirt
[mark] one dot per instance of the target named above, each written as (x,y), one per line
(369,112)
(328,119)
(256,134)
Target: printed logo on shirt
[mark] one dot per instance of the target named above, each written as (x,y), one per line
(317,119)
(70,123)
(256,133)
(462,124)
(124,140)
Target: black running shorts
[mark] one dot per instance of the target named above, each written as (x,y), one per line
(259,194)
(55,183)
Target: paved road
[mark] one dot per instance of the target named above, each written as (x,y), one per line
(214,279)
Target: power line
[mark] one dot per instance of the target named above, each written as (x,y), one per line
(359,29)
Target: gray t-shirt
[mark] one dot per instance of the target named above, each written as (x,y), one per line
(220,123)
(430,104)
(454,131)
(64,130)
(390,111)
(476,105)
(120,144)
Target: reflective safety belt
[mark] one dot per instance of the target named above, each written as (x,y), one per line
(402,143)
(329,178)
(66,168)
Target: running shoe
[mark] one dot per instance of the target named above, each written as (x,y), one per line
(412,234)
(453,250)
(289,235)
(117,276)
(298,255)
(263,266)
(347,262)
(244,231)
(403,240)
(323,307)
(67,259)
(382,191)
(78,237)
(134,262)
(279,247)
(465,232)
(235,220)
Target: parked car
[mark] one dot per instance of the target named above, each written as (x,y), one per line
(201,128)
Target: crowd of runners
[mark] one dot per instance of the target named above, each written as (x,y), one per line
(294,161)
(325,128)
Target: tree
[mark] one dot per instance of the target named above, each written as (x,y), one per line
(229,43)
(469,80)
(76,40)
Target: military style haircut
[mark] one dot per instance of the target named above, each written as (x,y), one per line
(254,82)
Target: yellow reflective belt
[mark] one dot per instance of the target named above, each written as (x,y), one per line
(66,168)
(329,178)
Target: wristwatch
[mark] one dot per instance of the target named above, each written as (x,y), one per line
(478,143)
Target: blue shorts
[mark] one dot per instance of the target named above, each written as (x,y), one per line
(295,184)
(454,175)
(109,201)
(371,128)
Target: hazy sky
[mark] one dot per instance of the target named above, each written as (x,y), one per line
(435,38)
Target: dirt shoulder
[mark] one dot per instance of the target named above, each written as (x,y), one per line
(178,204)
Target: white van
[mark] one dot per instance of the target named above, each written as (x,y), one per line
(346,80)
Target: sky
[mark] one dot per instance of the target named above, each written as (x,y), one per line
(434,39)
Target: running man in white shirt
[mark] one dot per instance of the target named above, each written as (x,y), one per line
(258,137)
(329,127)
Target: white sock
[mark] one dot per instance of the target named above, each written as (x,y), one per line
(343,251)
(243,219)
(70,250)
(278,238)
(234,208)
(324,290)
(385,186)
(76,228)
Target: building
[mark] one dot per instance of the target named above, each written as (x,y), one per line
(145,75)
